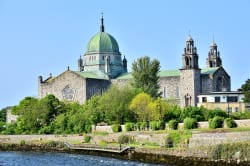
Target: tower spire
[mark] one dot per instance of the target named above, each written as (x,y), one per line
(102,26)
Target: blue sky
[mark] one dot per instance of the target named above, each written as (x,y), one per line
(45,36)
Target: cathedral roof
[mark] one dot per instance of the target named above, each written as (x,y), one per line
(173,73)
(102,42)
(92,74)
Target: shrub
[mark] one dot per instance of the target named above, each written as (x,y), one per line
(213,113)
(116,128)
(87,128)
(169,142)
(87,138)
(190,123)
(173,124)
(177,138)
(154,125)
(22,142)
(124,139)
(216,122)
(230,123)
(162,125)
(141,125)
(129,126)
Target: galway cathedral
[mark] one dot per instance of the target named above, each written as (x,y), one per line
(103,65)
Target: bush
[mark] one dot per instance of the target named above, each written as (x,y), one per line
(213,113)
(129,126)
(177,138)
(116,128)
(124,139)
(230,123)
(141,125)
(154,125)
(173,124)
(22,142)
(169,142)
(162,125)
(87,138)
(190,123)
(216,122)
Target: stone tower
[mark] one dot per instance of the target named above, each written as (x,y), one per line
(190,84)
(213,59)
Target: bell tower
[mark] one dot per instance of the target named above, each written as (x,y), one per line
(190,83)
(213,59)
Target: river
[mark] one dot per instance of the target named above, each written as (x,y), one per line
(60,159)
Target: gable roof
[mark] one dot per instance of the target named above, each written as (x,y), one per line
(173,73)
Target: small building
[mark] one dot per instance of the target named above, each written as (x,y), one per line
(229,101)
(10,118)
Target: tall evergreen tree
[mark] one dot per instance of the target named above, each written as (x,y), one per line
(146,75)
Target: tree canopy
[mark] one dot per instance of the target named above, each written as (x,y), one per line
(246,90)
(146,75)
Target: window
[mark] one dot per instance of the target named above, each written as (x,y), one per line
(236,109)
(177,92)
(232,99)
(164,92)
(216,99)
(204,99)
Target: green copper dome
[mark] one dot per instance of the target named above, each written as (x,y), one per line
(102,42)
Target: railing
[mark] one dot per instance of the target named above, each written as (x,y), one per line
(97,148)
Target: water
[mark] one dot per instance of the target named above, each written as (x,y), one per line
(60,159)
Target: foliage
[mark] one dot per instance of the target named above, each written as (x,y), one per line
(230,123)
(177,138)
(193,112)
(216,122)
(2,126)
(115,104)
(212,113)
(173,124)
(231,151)
(3,115)
(124,139)
(22,142)
(154,125)
(171,112)
(240,115)
(87,138)
(190,123)
(116,128)
(10,129)
(246,91)
(139,106)
(145,75)
(129,126)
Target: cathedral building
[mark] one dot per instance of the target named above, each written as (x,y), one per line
(103,65)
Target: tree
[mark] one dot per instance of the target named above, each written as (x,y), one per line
(115,103)
(3,115)
(140,104)
(246,91)
(146,75)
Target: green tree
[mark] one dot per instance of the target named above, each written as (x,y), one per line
(146,75)
(115,103)
(246,91)
(93,110)
(139,105)
(28,115)
(3,115)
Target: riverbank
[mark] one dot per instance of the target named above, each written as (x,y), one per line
(158,155)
